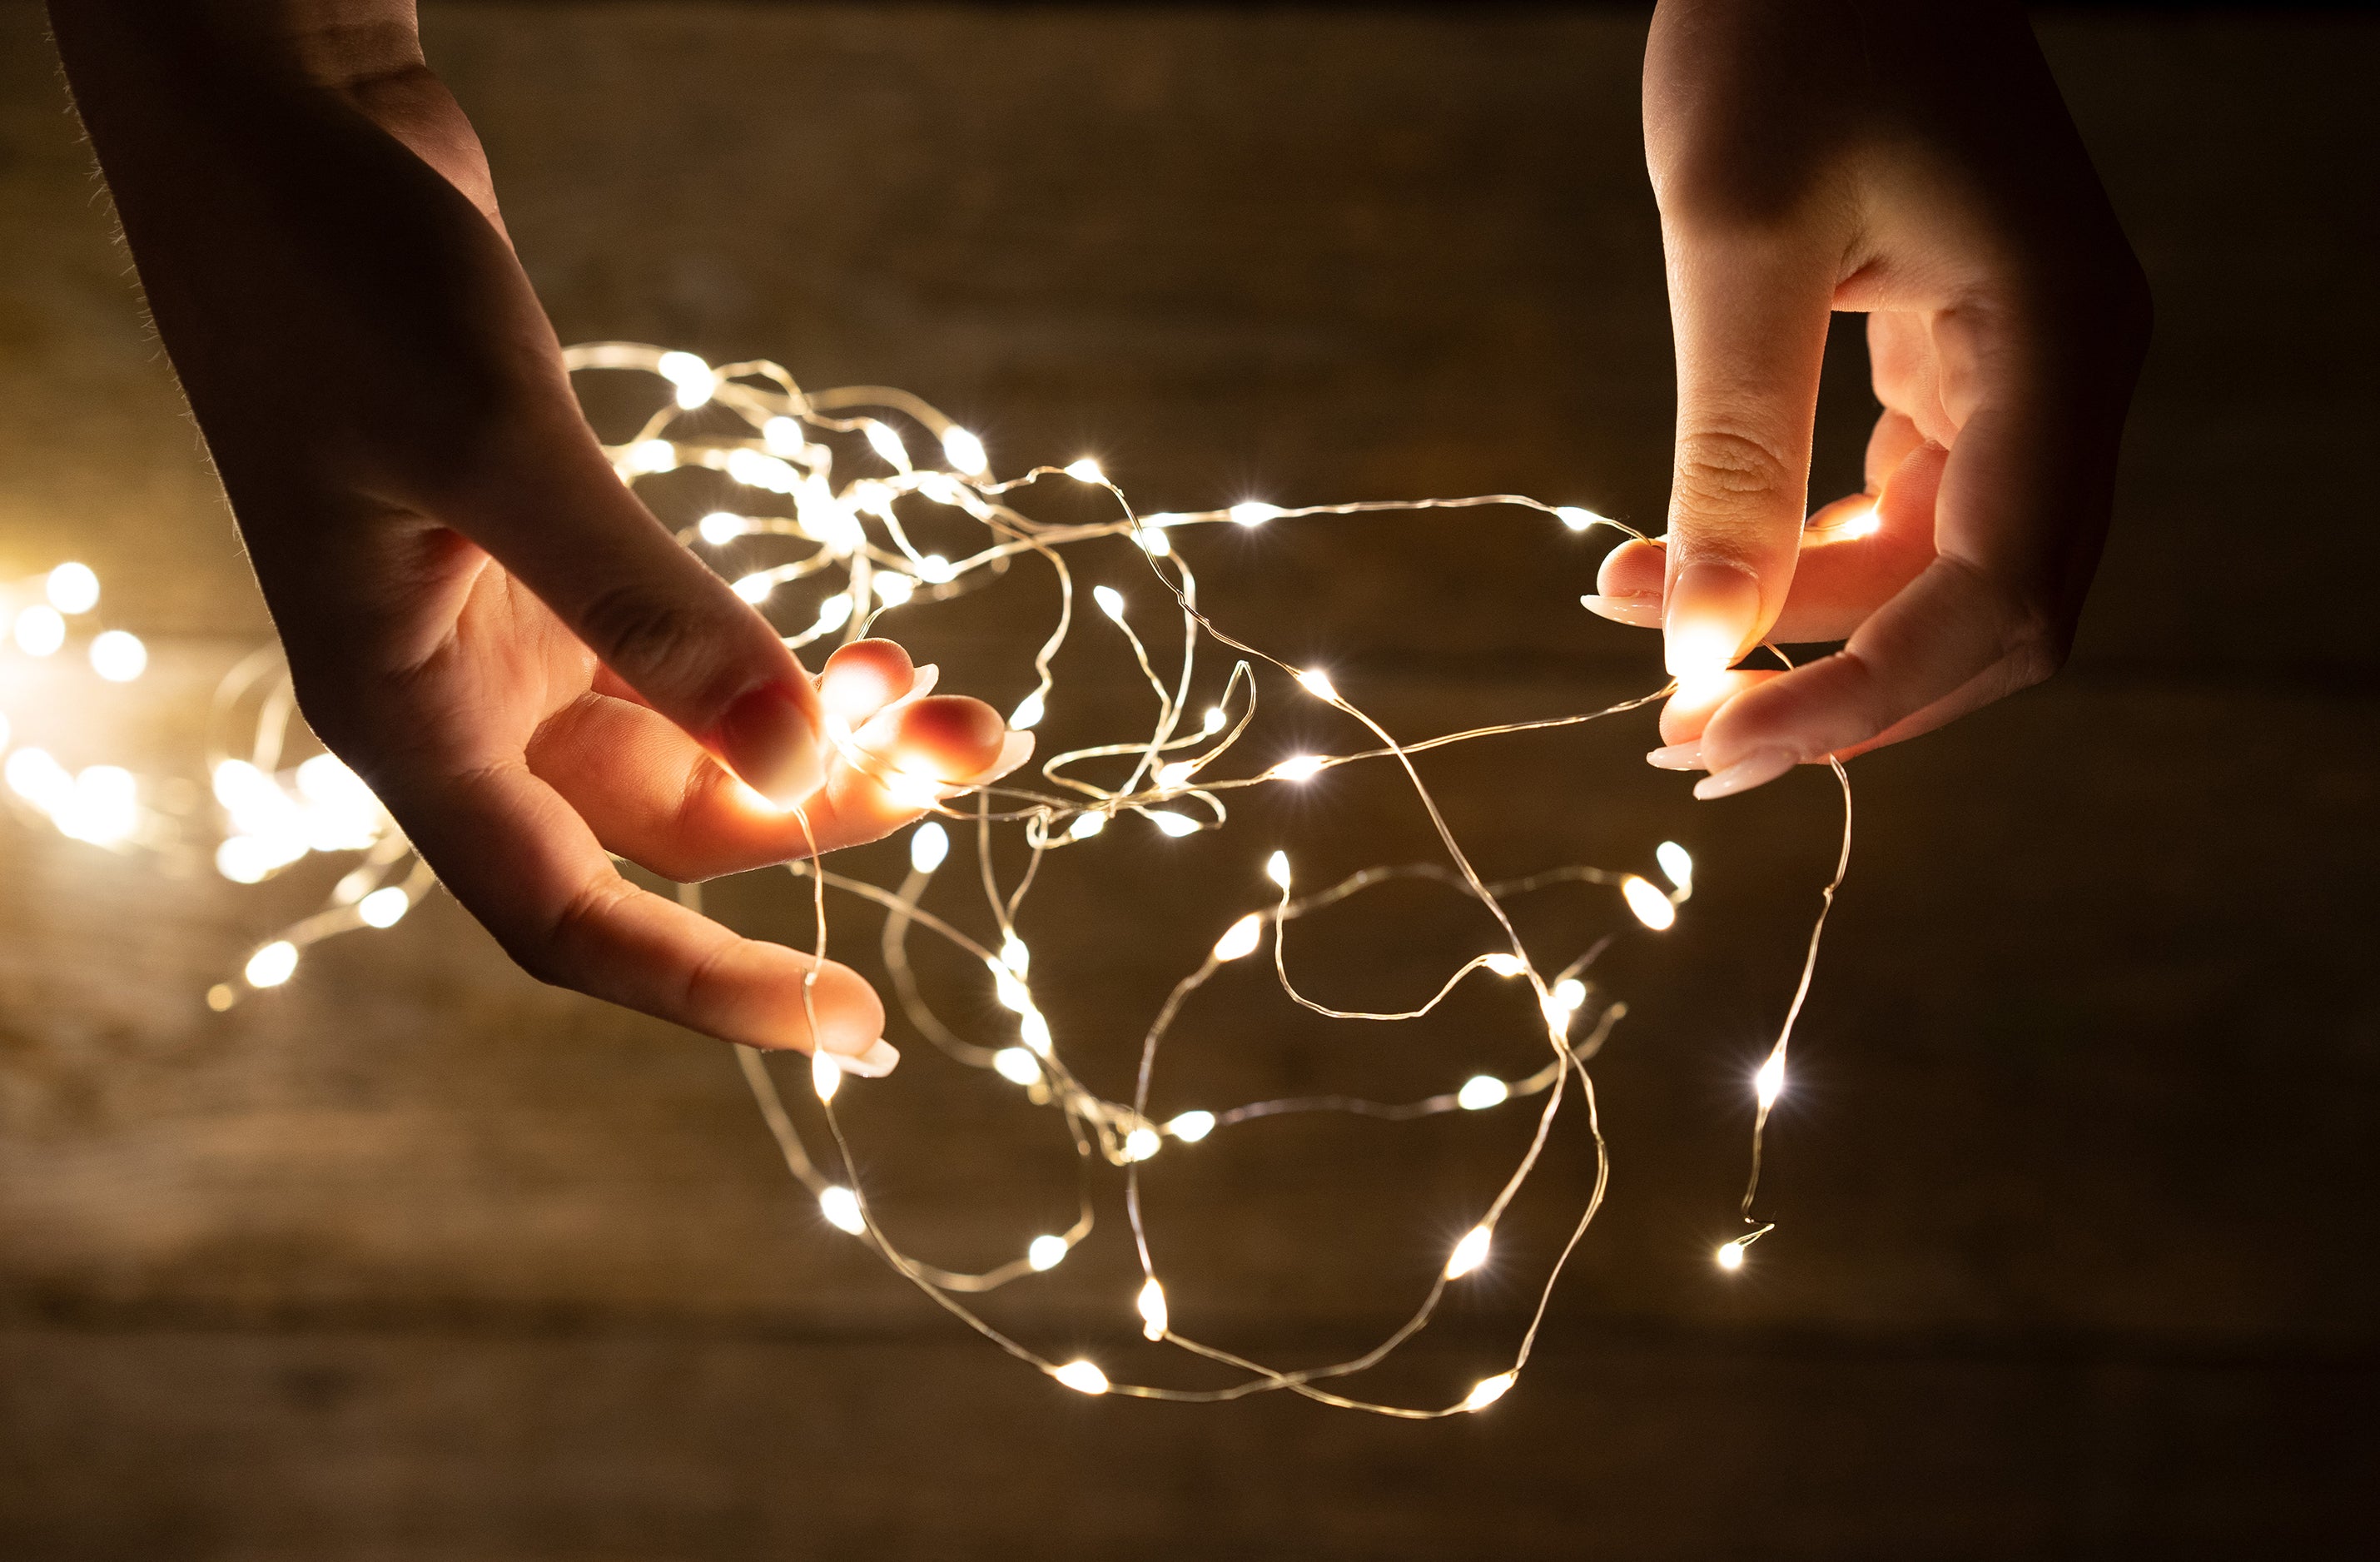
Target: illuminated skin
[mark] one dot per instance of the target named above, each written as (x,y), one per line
(480,618)
(1913,162)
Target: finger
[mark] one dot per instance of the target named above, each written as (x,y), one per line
(654,795)
(551,511)
(1687,712)
(1750,311)
(527,866)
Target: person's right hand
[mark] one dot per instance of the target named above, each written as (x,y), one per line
(480,618)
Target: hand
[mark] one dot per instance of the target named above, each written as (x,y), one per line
(1913,162)
(480,618)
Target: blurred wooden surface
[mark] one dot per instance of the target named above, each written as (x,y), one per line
(420,1259)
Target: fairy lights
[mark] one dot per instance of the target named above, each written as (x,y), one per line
(823,499)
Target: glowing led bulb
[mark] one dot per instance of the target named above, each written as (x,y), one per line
(1085,470)
(1677,865)
(1192,1127)
(1215,720)
(118,656)
(928,844)
(1028,713)
(691,375)
(273,965)
(755,589)
(894,589)
(1503,965)
(1769,1083)
(834,612)
(1297,767)
(1045,1253)
(1011,994)
(1111,602)
(1481,1091)
(1487,1391)
(72,588)
(1255,512)
(1015,954)
(965,452)
(1177,773)
(720,528)
(825,1078)
(934,570)
(649,455)
(1171,824)
(1277,868)
(1864,524)
(1141,1143)
(887,444)
(1568,995)
(1469,1253)
(40,630)
(1578,518)
(1086,825)
(1016,1065)
(1035,1030)
(841,1207)
(1730,1255)
(39,779)
(1152,542)
(103,807)
(783,436)
(1083,1377)
(385,907)
(1652,908)
(1241,938)
(1317,683)
(1151,1303)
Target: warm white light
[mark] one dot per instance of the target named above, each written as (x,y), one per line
(934,570)
(1769,1083)
(1034,1029)
(691,375)
(720,528)
(1045,1253)
(1085,470)
(72,588)
(1015,954)
(273,965)
(1011,994)
(40,630)
(965,452)
(248,859)
(1177,773)
(1215,720)
(1297,767)
(1469,1253)
(783,436)
(1487,1391)
(1171,823)
(1083,1377)
(1677,864)
(928,844)
(39,779)
(1153,1317)
(1652,908)
(1277,868)
(1569,992)
(887,444)
(1241,938)
(755,470)
(1016,1065)
(1192,1127)
(1255,512)
(1481,1091)
(104,808)
(1152,542)
(1086,825)
(1141,1143)
(1866,523)
(1503,965)
(1578,518)
(834,612)
(825,1076)
(1317,683)
(892,589)
(649,455)
(756,588)
(1111,602)
(1028,713)
(1730,1255)
(118,656)
(385,907)
(841,1207)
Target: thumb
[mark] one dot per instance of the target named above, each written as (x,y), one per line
(563,522)
(1750,319)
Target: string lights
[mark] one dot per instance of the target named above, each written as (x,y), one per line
(832,483)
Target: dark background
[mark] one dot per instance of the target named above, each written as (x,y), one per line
(419,1259)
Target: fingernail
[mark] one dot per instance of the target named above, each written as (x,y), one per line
(1640,608)
(873,1063)
(1712,607)
(922,680)
(1755,769)
(1677,756)
(1014,750)
(770,741)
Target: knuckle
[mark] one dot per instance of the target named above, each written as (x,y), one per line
(1723,471)
(661,646)
(560,952)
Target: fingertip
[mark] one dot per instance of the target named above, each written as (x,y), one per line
(863,678)
(1689,712)
(949,737)
(1635,568)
